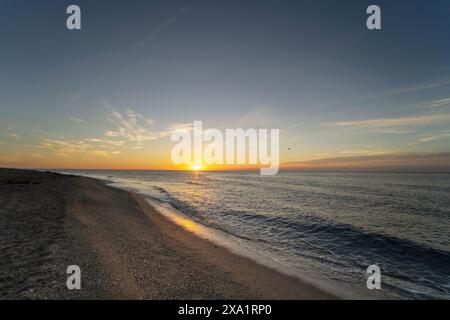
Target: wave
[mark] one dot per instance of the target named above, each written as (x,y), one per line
(297,227)
(346,246)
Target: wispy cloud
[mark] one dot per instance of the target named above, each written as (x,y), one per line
(422,119)
(131,130)
(365,152)
(78,120)
(63,147)
(407,89)
(68,147)
(131,126)
(418,87)
(107,142)
(74,98)
(13,135)
(152,34)
(431,137)
(436,103)
(179,126)
(393,131)
(435,137)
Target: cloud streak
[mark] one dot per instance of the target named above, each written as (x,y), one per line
(77,120)
(154,33)
(130,126)
(431,137)
(13,135)
(417,88)
(64,148)
(392,122)
(437,103)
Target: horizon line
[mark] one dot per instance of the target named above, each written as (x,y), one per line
(328,170)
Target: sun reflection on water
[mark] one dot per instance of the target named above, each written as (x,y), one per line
(187,224)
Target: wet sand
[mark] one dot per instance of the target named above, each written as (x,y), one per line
(125,249)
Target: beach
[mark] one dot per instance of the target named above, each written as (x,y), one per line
(123,246)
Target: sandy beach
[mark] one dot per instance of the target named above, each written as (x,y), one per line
(125,249)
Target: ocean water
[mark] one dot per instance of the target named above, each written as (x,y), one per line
(325,227)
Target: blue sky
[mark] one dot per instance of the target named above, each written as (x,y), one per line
(310,68)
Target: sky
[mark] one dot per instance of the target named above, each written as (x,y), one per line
(109,95)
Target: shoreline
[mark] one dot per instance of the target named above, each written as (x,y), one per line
(125,248)
(236,246)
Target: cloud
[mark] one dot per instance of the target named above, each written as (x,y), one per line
(133,114)
(130,126)
(417,88)
(179,126)
(431,137)
(13,135)
(77,120)
(117,143)
(391,122)
(100,153)
(394,131)
(410,89)
(74,98)
(131,130)
(435,137)
(367,152)
(436,103)
(64,148)
(150,36)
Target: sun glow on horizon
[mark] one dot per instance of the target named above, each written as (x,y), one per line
(197,167)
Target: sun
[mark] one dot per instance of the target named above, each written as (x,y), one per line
(196,167)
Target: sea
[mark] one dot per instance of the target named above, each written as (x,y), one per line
(325,228)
